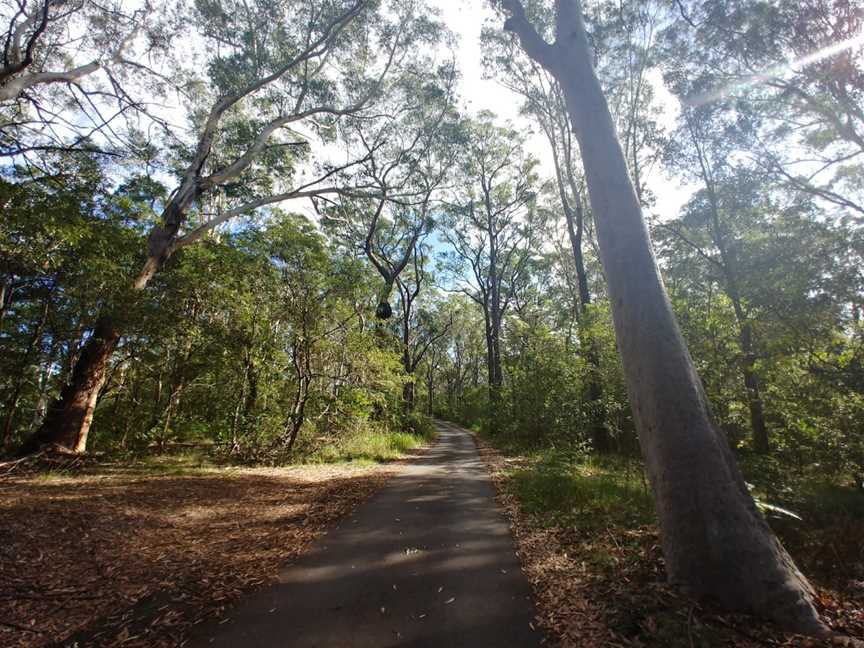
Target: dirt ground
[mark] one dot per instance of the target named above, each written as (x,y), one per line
(121,557)
(608,588)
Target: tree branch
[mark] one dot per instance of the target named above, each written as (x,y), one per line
(531,41)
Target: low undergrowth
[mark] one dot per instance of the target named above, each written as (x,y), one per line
(589,544)
(369,444)
(364,443)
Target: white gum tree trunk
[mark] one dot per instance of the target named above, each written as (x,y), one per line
(716,544)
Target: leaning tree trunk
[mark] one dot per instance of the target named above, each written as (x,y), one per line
(716,543)
(67,422)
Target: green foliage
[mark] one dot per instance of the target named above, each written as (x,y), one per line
(217,350)
(236,333)
(370,443)
(572,490)
(418,425)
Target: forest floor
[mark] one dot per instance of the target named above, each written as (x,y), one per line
(118,554)
(590,548)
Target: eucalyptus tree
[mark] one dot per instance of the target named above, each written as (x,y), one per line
(623,36)
(420,327)
(781,273)
(38,37)
(544,103)
(775,87)
(274,69)
(716,543)
(311,288)
(64,244)
(491,223)
(697,153)
(63,75)
(406,160)
(457,359)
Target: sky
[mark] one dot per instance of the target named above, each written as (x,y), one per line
(466,19)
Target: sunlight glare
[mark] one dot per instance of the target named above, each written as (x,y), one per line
(776,72)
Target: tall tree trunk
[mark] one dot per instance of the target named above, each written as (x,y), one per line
(729,268)
(89,410)
(408,389)
(716,543)
(493,365)
(430,387)
(600,438)
(409,392)
(751,380)
(302,361)
(298,412)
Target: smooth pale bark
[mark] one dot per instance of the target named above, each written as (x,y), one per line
(14,87)
(574,214)
(716,544)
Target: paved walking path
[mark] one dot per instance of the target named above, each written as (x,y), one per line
(427,561)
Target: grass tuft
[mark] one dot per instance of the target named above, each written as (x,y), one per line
(368,446)
(565,491)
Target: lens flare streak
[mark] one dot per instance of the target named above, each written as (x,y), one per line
(776,72)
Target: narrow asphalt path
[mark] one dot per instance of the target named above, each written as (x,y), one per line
(427,561)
